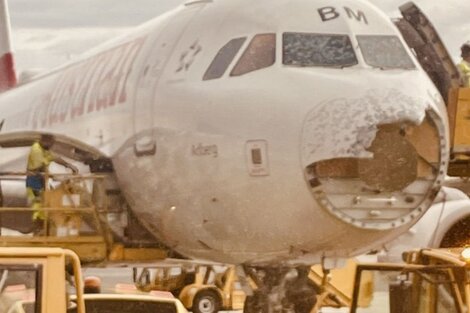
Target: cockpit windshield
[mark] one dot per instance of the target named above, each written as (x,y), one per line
(307,49)
(385,52)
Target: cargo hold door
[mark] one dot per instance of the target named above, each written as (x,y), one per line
(421,36)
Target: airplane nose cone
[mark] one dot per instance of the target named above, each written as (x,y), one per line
(376,161)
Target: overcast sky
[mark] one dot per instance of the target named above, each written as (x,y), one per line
(48,32)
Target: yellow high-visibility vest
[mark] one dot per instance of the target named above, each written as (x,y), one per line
(464,69)
(39,157)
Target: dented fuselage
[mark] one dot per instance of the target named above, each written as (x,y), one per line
(254,132)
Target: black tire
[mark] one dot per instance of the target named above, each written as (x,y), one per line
(206,301)
(303,295)
(249,305)
(255,303)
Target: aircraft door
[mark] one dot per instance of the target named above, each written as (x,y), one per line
(154,64)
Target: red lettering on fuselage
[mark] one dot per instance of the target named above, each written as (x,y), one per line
(93,85)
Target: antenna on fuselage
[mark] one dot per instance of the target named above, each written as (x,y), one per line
(7,67)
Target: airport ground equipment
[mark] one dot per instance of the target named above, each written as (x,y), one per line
(430,281)
(75,217)
(210,288)
(336,286)
(201,288)
(35,280)
(420,35)
(427,281)
(49,280)
(130,303)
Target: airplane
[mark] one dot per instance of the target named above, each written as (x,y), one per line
(271,134)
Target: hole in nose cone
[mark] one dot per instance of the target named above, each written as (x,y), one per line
(394,165)
(390,185)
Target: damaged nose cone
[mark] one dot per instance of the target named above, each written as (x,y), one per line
(382,171)
(395,162)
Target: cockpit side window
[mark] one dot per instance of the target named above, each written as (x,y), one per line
(223,59)
(260,53)
(385,52)
(327,50)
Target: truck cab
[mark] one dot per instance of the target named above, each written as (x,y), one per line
(34,280)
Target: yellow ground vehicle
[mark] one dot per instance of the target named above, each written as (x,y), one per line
(201,288)
(208,289)
(34,280)
(431,281)
(38,280)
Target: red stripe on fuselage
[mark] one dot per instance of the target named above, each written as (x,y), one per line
(7,72)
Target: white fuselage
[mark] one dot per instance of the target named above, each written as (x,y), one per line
(182,147)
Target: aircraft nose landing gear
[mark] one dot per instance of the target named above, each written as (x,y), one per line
(278,292)
(301,292)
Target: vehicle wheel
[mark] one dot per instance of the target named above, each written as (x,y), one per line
(255,303)
(206,301)
(302,292)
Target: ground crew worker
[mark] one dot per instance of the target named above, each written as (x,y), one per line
(92,284)
(38,163)
(464,65)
